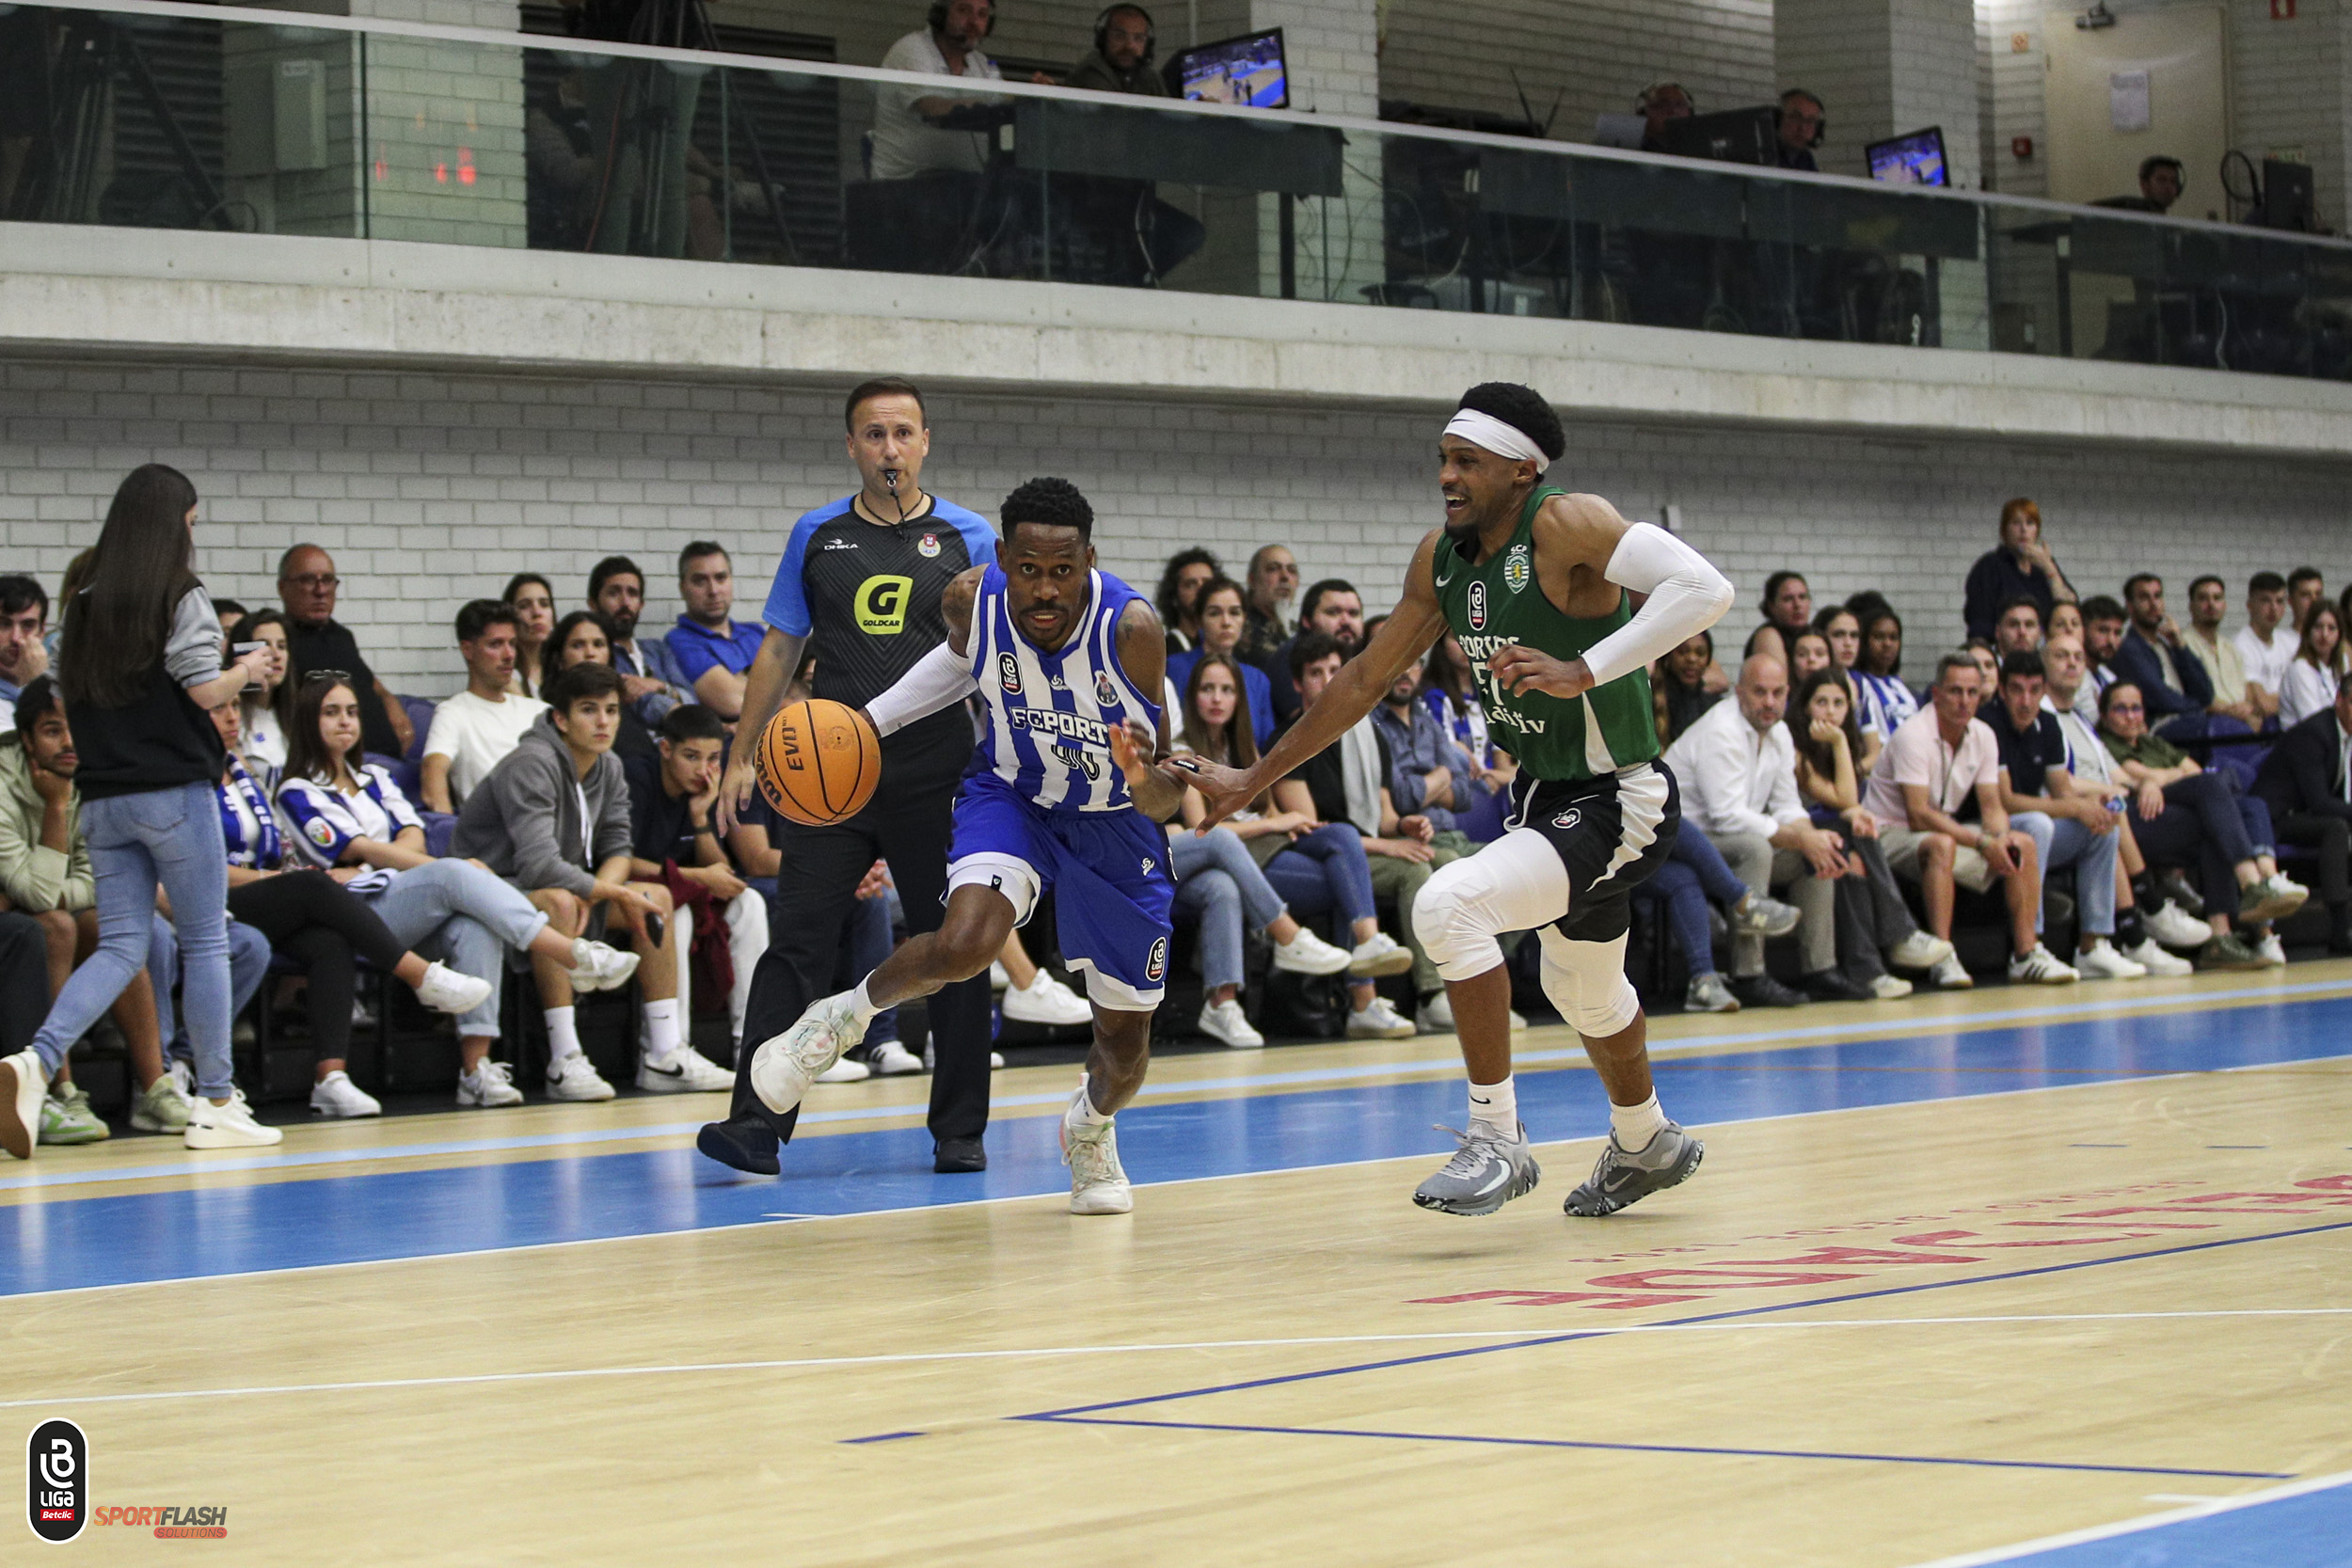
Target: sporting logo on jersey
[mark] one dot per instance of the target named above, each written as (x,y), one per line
(1106,689)
(1516,568)
(928,547)
(1568,819)
(1009,673)
(880,604)
(1155,967)
(1478,604)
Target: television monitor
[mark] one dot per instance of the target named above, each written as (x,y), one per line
(1624,131)
(1247,70)
(1913,158)
(1733,136)
(2287,201)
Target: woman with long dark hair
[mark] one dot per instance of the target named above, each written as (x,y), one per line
(1882,700)
(1178,601)
(533,601)
(1220,614)
(140,668)
(260,724)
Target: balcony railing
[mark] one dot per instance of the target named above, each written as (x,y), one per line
(157,114)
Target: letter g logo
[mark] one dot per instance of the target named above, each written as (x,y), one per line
(880,604)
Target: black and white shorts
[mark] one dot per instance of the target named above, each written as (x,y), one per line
(1611,832)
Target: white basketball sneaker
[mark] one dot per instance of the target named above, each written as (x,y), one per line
(786,1065)
(1098,1184)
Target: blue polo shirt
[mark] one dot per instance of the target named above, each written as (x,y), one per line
(700,650)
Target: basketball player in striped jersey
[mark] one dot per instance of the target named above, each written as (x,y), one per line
(1064,794)
(1532,580)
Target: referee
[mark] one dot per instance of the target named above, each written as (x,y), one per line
(862,578)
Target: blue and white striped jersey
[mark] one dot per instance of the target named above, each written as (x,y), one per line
(1050,714)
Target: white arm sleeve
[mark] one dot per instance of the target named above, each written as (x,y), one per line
(1686,596)
(940,678)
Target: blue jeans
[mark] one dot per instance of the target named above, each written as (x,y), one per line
(170,837)
(2063,841)
(1326,869)
(1219,884)
(466,917)
(248,966)
(1686,906)
(1706,863)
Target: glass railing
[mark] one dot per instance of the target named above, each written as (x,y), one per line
(183,115)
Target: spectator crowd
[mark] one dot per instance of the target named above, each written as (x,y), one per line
(2086,777)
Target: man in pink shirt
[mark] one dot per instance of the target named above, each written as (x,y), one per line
(1939,779)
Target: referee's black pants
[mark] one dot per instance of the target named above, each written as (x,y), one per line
(909,823)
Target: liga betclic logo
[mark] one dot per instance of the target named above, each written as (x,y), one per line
(57,1505)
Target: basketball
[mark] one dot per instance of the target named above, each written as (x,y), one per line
(819,761)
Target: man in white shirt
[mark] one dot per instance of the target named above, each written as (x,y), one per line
(2265,646)
(908,139)
(1940,777)
(2208,603)
(1737,768)
(473,731)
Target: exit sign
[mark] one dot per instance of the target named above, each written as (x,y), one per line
(2282,10)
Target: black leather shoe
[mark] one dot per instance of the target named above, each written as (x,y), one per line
(745,1143)
(1832,985)
(959,1157)
(1762,990)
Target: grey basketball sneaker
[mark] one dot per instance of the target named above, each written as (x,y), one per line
(1628,1176)
(1486,1173)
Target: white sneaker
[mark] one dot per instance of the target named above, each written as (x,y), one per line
(445,990)
(685,1070)
(1379,954)
(847,1071)
(489,1086)
(183,1073)
(2040,967)
(336,1095)
(1309,954)
(1950,975)
(1223,1022)
(2101,961)
(997,978)
(2176,927)
(1379,1021)
(596,967)
(161,1107)
(1889,987)
(575,1077)
(1098,1184)
(1047,1001)
(1919,950)
(2271,950)
(23,1084)
(229,1126)
(1436,1014)
(890,1059)
(2157,962)
(786,1065)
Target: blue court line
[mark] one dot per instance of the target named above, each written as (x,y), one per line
(70,1242)
(1662,1448)
(883,1437)
(2308,1525)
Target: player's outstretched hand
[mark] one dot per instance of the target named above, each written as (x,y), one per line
(1226,790)
(1131,748)
(735,791)
(1520,670)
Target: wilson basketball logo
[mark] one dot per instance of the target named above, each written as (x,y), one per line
(1478,606)
(1009,674)
(1156,965)
(56,1475)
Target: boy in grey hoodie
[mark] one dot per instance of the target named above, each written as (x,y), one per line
(552,820)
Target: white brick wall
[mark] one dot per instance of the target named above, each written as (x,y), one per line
(432,489)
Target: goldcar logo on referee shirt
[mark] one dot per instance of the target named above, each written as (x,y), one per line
(881,604)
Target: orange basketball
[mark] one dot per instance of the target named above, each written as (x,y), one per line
(819,761)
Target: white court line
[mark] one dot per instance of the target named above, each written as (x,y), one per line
(2132,1527)
(913,1358)
(1299,1078)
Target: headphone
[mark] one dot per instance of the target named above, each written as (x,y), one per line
(1641,104)
(1150,29)
(1819,130)
(937,18)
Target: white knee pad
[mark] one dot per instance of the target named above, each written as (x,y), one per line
(1456,923)
(1586,981)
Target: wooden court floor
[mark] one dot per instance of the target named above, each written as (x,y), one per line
(1979,1278)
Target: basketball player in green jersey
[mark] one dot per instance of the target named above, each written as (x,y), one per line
(1532,580)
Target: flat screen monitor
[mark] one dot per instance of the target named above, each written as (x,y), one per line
(1624,131)
(1249,70)
(1913,158)
(2286,194)
(1733,136)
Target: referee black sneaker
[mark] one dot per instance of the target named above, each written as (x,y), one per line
(959,1157)
(743,1142)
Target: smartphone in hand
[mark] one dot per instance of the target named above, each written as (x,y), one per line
(239,651)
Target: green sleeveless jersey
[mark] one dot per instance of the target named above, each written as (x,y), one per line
(1498,602)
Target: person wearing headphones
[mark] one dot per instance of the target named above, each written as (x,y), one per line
(1124,43)
(910,139)
(1801,122)
(1140,236)
(1660,102)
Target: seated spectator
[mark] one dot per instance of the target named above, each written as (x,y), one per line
(1683,687)
(1217,624)
(673,840)
(317,923)
(1788,611)
(1808,652)
(45,874)
(2264,650)
(2159,187)
(1875,930)
(649,670)
(1219,884)
(2306,587)
(1988,663)
(2104,620)
(1738,769)
(2186,815)
(1332,606)
(1178,601)
(308,585)
(1883,702)
(2065,672)
(2152,656)
(1659,104)
(585,637)
(2306,781)
(342,811)
(258,721)
(531,597)
(1273,583)
(1431,774)
(2318,666)
(2208,605)
(232,616)
(1842,630)
(526,823)
(2070,825)
(473,731)
(1121,60)
(1938,789)
(23,632)
(2066,620)
(1798,125)
(2021,564)
(713,653)
(2017,626)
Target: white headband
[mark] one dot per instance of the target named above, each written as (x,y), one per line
(1485,430)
